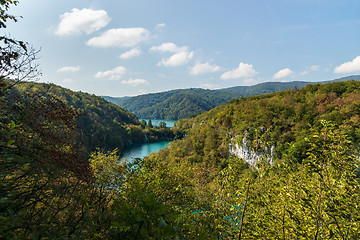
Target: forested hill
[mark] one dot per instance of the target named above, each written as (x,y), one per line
(114,99)
(303,146)
(174,104)
(101,124)
(183,103)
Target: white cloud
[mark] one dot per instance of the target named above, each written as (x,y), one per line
(69,69)
(200,68)
(169,47)
(82,21)
(283,73)
(250,81)
(135,52)
(181,55)
(209,85)
(114,74)
(244,70)
(142,92)
(120,37)
(135,82)
(160,25)
(304,73)
(314,68)
(177,59)
(349,67)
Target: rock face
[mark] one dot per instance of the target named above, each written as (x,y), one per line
(249,155)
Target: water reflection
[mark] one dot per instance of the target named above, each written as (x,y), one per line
(142,150)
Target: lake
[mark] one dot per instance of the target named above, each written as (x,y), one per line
(156,122)
(141,150)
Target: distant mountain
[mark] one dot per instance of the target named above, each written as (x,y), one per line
(343,79)
(175,104)
(183,103)
(178,106)
(114,100)
(264,88)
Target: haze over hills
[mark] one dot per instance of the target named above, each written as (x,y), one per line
(114,99)
(184,103)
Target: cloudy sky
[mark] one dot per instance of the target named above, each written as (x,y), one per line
(131,47)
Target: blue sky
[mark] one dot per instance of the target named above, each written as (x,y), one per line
(127,48)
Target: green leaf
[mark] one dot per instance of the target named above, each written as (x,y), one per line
(12,124)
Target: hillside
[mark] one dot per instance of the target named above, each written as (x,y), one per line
(264,88)
(282,117)
(283,165)
(100,124)
(52,186)
(165,105)
(280,153)
(114,99)
(162,105)
(273,166)
(181,105)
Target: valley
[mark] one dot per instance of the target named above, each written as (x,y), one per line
(274,160)
(307,135)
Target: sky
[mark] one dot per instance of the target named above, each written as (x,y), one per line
(131,47)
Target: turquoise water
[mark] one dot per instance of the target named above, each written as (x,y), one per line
(142,150)
(156,122)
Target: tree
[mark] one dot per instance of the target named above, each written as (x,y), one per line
(4,16)
(162,124)
(17,61)
(16,57)
(43,180)
(150,125)
(143,123)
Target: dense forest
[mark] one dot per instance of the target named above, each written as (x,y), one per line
(184,103)
(99,123)
(303,184)
(307,187)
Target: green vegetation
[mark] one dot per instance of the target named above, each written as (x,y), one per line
(184,103)
(174,104)
(310,191)
(114,99)
(194,189)
(100,124)
(50,189)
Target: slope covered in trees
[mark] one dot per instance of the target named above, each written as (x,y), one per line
(114,99)
(179,106)
(309,190)
(100,124)
(193,190)
(173,104)
(167,105)
(50,188)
